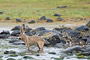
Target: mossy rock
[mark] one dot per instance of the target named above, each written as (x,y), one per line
(88,57)
(51,53)
(1,59)
(19,59)
(58,58)
(83,53)
(13,55)
(11,59)
(22,54)
(81,57)
(27,57)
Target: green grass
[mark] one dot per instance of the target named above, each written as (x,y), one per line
(34,9)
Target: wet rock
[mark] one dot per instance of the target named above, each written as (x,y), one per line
(74,33)
(84,38)
(15,33)
(87,49)
(74,48)
(4,36)
(60,45)
(18,20)
(40,28)
(88,41)
(7,18)
(82,28)
(5,32)
(88,24)
(51,53)
(57,29)
(32,21)
(16,28)
(6,52)
(9,52)
(59,19)
(49,20)
(1,12)
(43,18)
(18,43)
(12,52)
(37,55)
(13,40)
(64,6)
(11,59)
(27,57)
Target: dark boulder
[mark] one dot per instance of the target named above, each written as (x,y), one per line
(88,24)
(32,21)
(72,49)
(16,28)
(7,18)
(15,33)
(49,20)
(74,33)
(57,15)
(82,28)
(64,6)
(5,32)
(1,12)
(13,40)
(43,18)
(18,20)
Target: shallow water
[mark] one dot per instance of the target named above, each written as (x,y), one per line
(5,46)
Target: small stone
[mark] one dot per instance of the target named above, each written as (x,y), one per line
(27,57)
(32,21)
(43,18)
(51,53)
(58,58)
(18,20)
(1,12)
(37,55)
(49,20)
(7,18)
(6,52)
(11,59)
(13,55)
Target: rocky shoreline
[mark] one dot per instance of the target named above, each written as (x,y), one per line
(55,39)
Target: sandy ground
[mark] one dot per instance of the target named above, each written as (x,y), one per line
(71,24)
